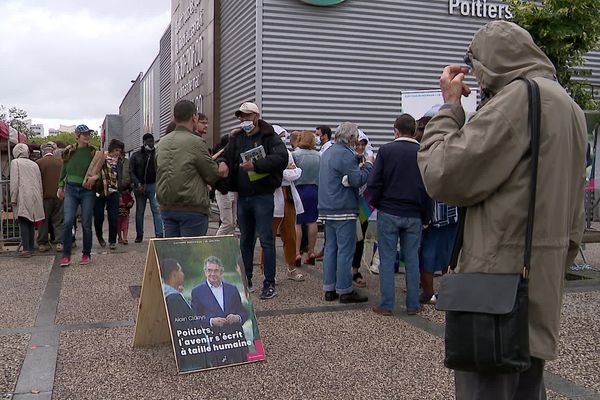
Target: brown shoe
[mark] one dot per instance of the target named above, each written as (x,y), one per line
(382,311)
(24,254)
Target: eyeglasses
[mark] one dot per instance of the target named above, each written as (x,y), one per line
(467,60)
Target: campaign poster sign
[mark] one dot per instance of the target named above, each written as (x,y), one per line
(209,309)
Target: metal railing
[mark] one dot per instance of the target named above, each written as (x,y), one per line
(9,227)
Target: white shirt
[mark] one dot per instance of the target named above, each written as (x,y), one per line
(325,146)
(406,139)
(218,293)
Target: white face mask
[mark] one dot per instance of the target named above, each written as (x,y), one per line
(148,147)
(247,126)
(318,140)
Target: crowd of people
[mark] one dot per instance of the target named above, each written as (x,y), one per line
(264,188)
(266,181)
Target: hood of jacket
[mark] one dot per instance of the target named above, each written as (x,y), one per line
(20,151)
(502,51)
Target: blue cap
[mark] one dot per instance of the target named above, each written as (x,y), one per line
(82,129)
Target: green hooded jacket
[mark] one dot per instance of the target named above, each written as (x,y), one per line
(485,167)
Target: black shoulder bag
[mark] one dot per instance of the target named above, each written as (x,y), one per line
(487,324)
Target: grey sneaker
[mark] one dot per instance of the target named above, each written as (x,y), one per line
(268,292)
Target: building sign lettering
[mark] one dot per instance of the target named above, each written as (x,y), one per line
(479,9)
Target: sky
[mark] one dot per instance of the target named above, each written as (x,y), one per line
(70,61)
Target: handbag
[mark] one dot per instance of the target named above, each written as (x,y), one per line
(487,324)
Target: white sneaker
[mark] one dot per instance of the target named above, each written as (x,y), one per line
(432,300)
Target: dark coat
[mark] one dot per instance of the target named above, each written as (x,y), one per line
(142,167)
(179,309)
(274,163)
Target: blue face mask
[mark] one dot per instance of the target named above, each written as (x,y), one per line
(318,140)
(247,126)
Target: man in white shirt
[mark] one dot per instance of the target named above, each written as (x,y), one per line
(220,303)
(324,136)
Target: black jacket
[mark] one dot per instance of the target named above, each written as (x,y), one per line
(395,184)
(142,167)
(274,163)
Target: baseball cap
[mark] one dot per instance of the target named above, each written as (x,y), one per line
(82,129)
(247,108)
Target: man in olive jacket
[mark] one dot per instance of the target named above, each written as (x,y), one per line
(484,166)
(184,169)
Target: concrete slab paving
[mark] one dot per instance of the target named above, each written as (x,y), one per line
(12,354)
(315,349)
(22,283)
(100,291)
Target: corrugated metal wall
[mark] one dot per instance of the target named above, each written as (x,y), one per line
(593,63)
(164,56)
(326,65)
(150,100)
(237,60)
(352,61)
(130,111)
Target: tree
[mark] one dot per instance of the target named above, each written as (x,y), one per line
(15,118)
(66,138)
(565,30)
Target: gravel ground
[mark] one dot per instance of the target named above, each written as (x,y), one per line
(12,354)
(396,361)
(555,396)
(22,283)
(100,292)
(579,351)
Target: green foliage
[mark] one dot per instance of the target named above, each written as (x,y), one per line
(15,118)
(65,138)
(565,30)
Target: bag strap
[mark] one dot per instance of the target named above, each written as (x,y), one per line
(534,116)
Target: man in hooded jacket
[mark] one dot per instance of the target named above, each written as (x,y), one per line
(484,166)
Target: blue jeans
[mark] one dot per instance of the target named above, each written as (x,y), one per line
(76,196)
(140,209)
(255,214)
(111,203)
(184,223)
(337,259)
(390,228)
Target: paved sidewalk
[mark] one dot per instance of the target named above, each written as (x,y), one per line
(66,333)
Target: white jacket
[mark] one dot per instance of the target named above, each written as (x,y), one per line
(26,185)
(290,174)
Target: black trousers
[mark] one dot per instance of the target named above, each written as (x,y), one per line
(111,203)
(527,385)
(27,234)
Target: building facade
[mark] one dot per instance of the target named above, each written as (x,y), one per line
(307,64)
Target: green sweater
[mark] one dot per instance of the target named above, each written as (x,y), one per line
(76,164)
